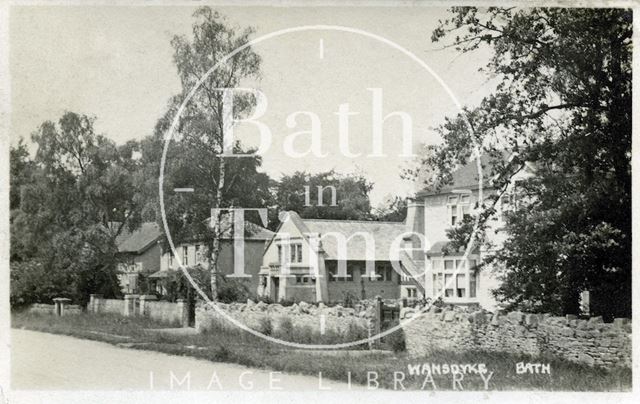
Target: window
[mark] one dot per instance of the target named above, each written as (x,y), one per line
(170,259)
(454,214)
(448,285)
(185,256)
(448,264)
(296,252)
(460,287)
(412,292)
(198,254)
(334,276)
(280,254)
(437,284)
(388,274)
(473,283)
(458,207)
(302,279)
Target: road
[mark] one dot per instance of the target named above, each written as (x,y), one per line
(54,362)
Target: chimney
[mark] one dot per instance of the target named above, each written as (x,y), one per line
(415,223)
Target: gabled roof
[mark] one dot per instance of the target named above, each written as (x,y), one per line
(251,230)
(148,234)
(382,233)
(139,240)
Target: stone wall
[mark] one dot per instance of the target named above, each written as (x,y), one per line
(337,318)
(145,305)
(42,308)
(166,312)
(100,305)
(590,342)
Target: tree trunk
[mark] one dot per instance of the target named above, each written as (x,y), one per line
(214,247)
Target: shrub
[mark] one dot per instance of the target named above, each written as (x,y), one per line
(355,332)
(303,334)
(285,328)
(395,341)
(265,326)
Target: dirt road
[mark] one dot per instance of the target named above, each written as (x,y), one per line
(54,362)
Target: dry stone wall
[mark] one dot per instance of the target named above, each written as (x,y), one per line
(590,342)
(335,319)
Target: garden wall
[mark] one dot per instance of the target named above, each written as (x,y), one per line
(335,319)
(145,305)
(41,308)
(101,305)
(591,342)
(166,312)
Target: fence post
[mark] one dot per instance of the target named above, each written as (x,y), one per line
(94,303)
(144,301)
(60,303)
(130,305)
(377,320)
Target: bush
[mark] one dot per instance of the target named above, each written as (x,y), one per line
(355,332)
(265,326)
(396,341)
(285,329)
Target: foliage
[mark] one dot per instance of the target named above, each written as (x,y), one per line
(392,209)
(352,196)
(265,326)
(562,109)
(395,341)
(69,203)
(194,156)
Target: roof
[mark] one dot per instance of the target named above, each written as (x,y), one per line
(466,176)
(382,234)
(251,230)
(140,239)
(149,232)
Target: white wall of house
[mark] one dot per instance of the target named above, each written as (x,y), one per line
(291,249)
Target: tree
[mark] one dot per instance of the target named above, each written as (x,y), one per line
(563,104)
(75,197)
(194,159)
(392,209)
(351,195)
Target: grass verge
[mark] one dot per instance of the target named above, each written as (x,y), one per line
(246,349)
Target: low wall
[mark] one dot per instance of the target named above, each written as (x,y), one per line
(145,305)
(112,306)
(590,342)
(166,312)
(41,308)
(337,319)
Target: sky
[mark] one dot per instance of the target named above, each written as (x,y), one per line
(116,63)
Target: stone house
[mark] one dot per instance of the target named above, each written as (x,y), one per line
(412,259)
(432,213)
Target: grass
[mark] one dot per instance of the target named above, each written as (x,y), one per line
(246,349)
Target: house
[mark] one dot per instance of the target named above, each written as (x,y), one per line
(412,259)
(139,252)
(432,213)
(193,252)
(301,261)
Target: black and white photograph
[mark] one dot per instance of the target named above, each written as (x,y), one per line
(272,201)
